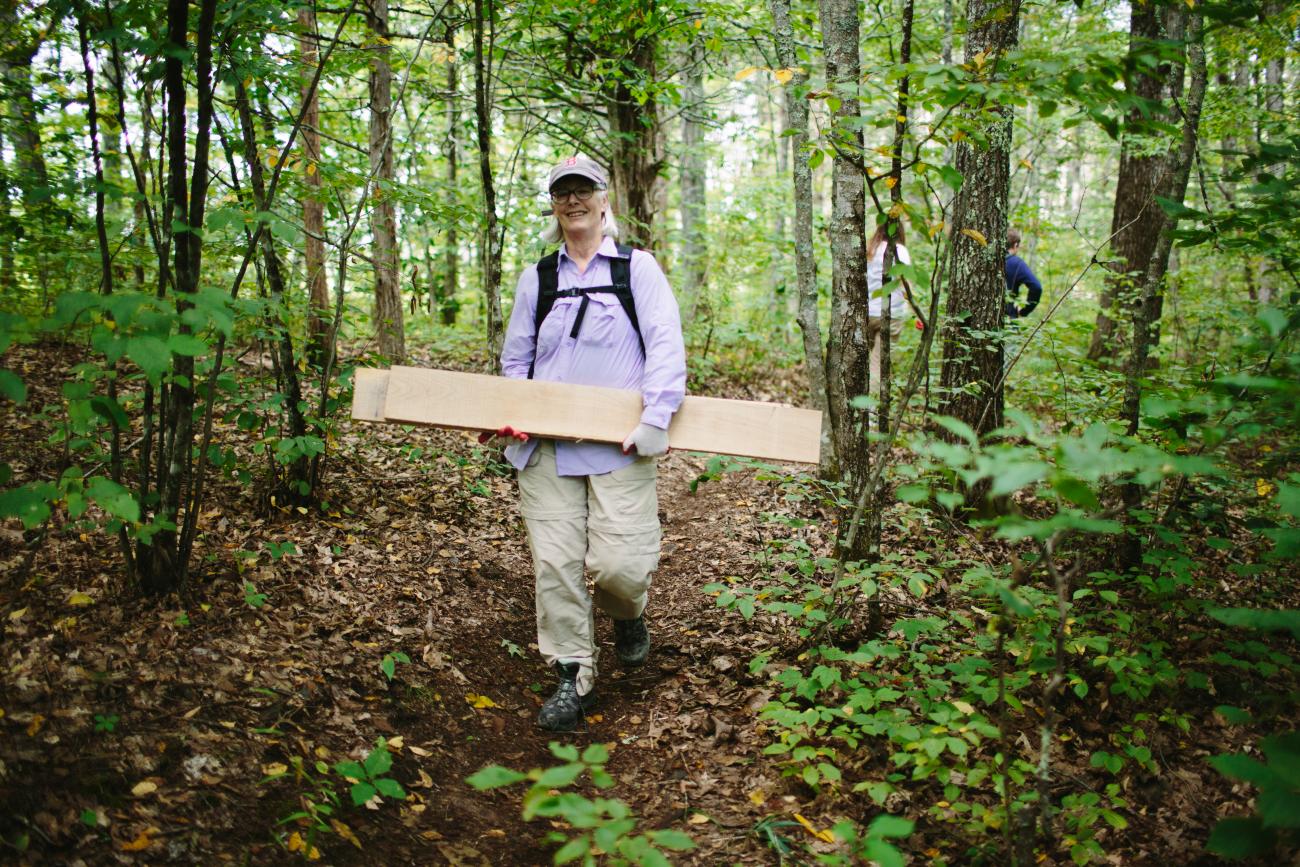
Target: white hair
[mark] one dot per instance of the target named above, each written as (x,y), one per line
(553,234)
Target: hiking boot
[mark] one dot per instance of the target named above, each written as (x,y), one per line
(631,641)
(565,709)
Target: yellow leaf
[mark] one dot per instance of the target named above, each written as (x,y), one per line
(345,832)
(1264,487)
(275,769)
(826,836)
(79,599)
(964,706)
(757,797)
(17,615)
(420,751)
(891,182)
(1027,164)
(783,76)
(138,844)
(479,701)
(901,118)
(699,22)
(311,169)
(976,236)
(698,819)
(595,717)
(35,725)
(294,843)
(746,73)
(144,787)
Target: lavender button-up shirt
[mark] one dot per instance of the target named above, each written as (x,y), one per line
(606,351)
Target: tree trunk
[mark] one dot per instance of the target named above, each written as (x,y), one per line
(1173,188)
(805,265)
(693,180)
(637,148)
(383,215)
(446,294)
(1136,217)
(161,566)
(848,355)
(313,202)
(22,126)
(294,485)
(490,246)
(970,379)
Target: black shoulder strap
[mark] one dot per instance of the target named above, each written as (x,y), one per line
(548,283)
(620,274)
(548,289)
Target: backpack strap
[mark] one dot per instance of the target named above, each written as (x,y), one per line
(620,275)
(548,283)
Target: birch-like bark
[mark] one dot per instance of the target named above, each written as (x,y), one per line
(805,265)
(693,179)
(445,295)
(849,350)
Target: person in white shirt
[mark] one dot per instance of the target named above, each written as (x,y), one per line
(897,298)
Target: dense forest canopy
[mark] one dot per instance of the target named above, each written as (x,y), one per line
(1042,585)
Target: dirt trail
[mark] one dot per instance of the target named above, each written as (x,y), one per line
(681,728)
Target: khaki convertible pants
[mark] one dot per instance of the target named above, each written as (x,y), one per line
(610,524)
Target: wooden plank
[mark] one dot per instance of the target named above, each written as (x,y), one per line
(442,398)
(369,392)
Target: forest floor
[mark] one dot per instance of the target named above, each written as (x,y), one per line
(138,730)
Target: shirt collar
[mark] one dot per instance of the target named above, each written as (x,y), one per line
(608,248)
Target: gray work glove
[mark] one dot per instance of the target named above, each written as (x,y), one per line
(648,440)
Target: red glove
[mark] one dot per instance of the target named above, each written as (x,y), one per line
(920,326)
(506,431)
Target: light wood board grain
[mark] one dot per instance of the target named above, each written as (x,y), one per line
(442,398)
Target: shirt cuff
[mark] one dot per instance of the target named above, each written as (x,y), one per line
(657,416)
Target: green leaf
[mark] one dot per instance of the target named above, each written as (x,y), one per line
(1268,620)
(379,761)
(114,499)
(362,792)
(573,850)
(958,427)
(562,775)
(1279,808)
(494,777)
(29,503)
(1240,767)
(187,344)
(390,788)
(596,754)
(151,354)
(886,825)
(1012,478)
(670,839)
(110,410)
(1233,715)
(351,770)
(1240,838)
(12,387)
(564,752)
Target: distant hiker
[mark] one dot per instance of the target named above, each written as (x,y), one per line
(897,298)
(592,313)
(1018,274)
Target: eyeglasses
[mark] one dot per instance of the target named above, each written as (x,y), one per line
(582,194)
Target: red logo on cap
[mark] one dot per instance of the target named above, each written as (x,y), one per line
(571,161)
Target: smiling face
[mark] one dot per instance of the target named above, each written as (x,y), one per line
(578,216)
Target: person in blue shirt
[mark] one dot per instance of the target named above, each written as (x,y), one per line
(1018,274)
